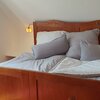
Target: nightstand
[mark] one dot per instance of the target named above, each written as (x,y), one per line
(7,57)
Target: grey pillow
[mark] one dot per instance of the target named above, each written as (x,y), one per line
(56,47)
(89,51)
(74,39)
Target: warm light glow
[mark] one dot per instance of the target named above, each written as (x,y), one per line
(29,29)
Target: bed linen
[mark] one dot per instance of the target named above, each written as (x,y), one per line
(45,37)
(57,65)
(75,38)
(57,46)
(27,61)
(77,68)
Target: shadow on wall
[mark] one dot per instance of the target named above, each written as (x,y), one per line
(13,38)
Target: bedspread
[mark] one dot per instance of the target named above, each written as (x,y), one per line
(77,68)
(26,61)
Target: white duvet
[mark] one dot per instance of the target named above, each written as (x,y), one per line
(77,67)
(54,64)
(26,62)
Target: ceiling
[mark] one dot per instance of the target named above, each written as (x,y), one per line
(70,10)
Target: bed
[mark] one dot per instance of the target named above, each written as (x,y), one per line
(28,84)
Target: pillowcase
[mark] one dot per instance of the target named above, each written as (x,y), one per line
(89,51)
(56,47)
(44,37)
(74,39)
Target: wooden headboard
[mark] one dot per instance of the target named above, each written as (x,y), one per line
(55,25)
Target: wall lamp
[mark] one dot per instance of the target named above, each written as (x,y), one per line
(29,28)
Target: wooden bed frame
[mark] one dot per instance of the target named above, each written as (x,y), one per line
(30,85)
(55,25)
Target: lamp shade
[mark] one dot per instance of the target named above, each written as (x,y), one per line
(29,29)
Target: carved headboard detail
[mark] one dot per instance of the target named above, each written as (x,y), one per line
(55,25)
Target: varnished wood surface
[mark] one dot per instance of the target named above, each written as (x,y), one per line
(7,57)
(14,85)
(52,87)
(55,25)
(29,85)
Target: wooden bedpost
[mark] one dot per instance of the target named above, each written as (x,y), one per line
(34,32)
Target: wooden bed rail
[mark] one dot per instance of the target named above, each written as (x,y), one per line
(29,85)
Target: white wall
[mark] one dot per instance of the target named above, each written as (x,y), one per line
(69,10)
(15,14)
(13,38)
(5,38)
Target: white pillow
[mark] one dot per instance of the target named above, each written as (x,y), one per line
(74,39)
(44,37)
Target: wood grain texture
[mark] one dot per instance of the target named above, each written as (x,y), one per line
(7,57)
(53,87)
(29,85)
(14,85)
(55,25)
